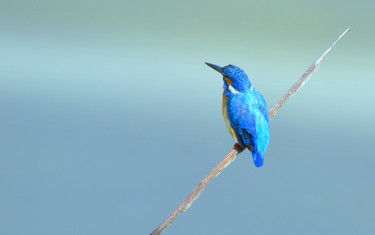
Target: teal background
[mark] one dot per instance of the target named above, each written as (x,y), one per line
(109,117)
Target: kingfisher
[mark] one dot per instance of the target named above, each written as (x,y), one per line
(245,112)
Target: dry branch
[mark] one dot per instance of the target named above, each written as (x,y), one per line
(236,150)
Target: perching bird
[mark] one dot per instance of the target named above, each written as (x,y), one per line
(245,112)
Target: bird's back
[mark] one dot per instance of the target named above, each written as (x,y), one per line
(247,119)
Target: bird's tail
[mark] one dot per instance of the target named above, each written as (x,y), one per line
(258,158)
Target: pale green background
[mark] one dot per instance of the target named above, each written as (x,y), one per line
(109,117)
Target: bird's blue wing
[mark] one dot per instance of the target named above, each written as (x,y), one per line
(248,116)
(242,119)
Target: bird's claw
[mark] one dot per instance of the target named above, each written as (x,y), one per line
(237,145)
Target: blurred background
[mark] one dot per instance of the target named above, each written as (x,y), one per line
(109,117)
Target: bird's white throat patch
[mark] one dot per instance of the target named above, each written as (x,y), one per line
(233,90)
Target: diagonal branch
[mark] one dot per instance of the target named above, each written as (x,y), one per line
(231,156)
(305,77)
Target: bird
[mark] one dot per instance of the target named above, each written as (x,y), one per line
(245,112)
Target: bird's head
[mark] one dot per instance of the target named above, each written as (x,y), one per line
(235,79)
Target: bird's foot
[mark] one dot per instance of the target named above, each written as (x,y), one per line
(237,145)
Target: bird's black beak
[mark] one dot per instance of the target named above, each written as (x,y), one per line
(217,68)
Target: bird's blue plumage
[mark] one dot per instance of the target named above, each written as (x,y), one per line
(248,116)
(236,74)
(245,112)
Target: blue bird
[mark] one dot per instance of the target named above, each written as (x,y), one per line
(245,112)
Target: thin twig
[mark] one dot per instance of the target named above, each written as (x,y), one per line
(236,150)
(305,77)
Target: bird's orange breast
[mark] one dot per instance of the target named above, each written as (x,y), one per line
(226,118)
